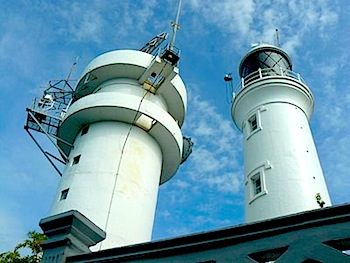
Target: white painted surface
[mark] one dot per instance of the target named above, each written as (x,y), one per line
(282,149)
(97,182)
(134,143)
(131,64)
(124,107)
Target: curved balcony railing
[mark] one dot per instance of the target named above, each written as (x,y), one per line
(268,73)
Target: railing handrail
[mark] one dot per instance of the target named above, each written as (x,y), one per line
(267,73)
(52,108)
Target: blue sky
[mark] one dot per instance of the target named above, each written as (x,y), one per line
(39,41)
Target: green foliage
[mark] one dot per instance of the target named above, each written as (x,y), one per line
(33,242)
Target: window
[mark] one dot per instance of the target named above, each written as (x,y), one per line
(253,123)
(64,194)
(84,130)
(76,159)
(256,180)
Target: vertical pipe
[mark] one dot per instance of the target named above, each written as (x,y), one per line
(175,27)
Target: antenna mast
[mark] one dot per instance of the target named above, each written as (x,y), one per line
(277,38)
(175,26)
(72,68)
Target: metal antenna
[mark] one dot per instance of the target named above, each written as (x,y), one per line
(70,73)
(175,26)
(72,68)
(277,38)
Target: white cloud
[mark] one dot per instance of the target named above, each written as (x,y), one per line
(179,231)
(333,109)
(198,195)
(206,161)
(217,145)
(228,15)
(227,182)
(254,21)
(335,152)
(182,184)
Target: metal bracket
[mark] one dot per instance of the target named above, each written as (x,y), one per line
(158,72)
(46,154)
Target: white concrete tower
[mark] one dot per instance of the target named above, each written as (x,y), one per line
(282,171)
(125,127)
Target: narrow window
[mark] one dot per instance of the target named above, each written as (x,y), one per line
(84,130)
(64,194)
(256,180)
(76,159)
(253,123)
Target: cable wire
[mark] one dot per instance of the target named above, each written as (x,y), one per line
(123,149)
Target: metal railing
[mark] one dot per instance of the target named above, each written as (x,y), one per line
(268,73)
(45,115)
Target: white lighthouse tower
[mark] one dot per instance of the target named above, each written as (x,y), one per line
(122,136)
(119,136)
(282,171)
